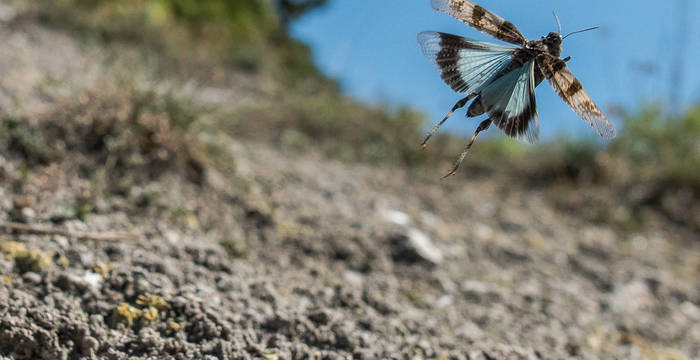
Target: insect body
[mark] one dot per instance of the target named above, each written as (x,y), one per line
(501,79)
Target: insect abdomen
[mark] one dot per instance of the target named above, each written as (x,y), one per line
(476,108)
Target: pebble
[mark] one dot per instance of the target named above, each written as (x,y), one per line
(353,279)
(32,277)
(444,301)
(396,217)
(425,247)
(631,298)
(93,279)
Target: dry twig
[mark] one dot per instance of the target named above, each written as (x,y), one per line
(11,227)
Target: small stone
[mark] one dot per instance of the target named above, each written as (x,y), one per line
(31,277)
(28,214)
(22,209)
(690,310)
(470,331)
(71,282)
(62,241)
(632,298)
(474,286)
(483,232)
(396,217)
(424,246)
(92,279)
(88,345)
(320,317)
(149,337)
(444,301)
(353,279)
(414,247)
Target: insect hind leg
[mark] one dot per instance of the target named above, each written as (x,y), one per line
(460,104)
(483,126)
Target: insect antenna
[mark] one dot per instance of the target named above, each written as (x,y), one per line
(580,31)
(483,126)
(557,19)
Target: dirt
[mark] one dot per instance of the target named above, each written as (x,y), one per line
(300,256)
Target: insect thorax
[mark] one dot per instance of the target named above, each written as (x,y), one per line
(550,44)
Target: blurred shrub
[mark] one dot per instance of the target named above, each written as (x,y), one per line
(338,126)
(251,35)
(242,20)
(247,34)
(571,160)
(662,148)
(649,147)
(134,132)
(19,137)
(293,9)
(652,168)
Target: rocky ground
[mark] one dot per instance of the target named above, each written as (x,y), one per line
(287,255)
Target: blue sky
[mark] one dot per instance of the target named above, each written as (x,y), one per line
(370,47)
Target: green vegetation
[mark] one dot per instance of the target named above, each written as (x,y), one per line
(338,126)
(650,147)
(662,148)
(141,133)
(195,34)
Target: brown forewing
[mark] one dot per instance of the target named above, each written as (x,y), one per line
(573,93)
(481,19)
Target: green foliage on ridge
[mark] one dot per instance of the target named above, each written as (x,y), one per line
(662,147)
(650,146)
(247,34)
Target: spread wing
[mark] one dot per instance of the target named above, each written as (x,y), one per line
(481,19)
(573,93)
(510,102)
(465,65)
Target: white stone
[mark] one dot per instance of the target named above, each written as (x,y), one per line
(424,246)
(396,217)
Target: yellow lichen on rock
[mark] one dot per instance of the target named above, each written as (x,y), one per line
(11,248)
(33,260)
(155,301)
(174,326)
(149,315)
(103,268)
(26,258)
(146,309)
(126,314)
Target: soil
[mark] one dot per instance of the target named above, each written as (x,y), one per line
(299,256)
